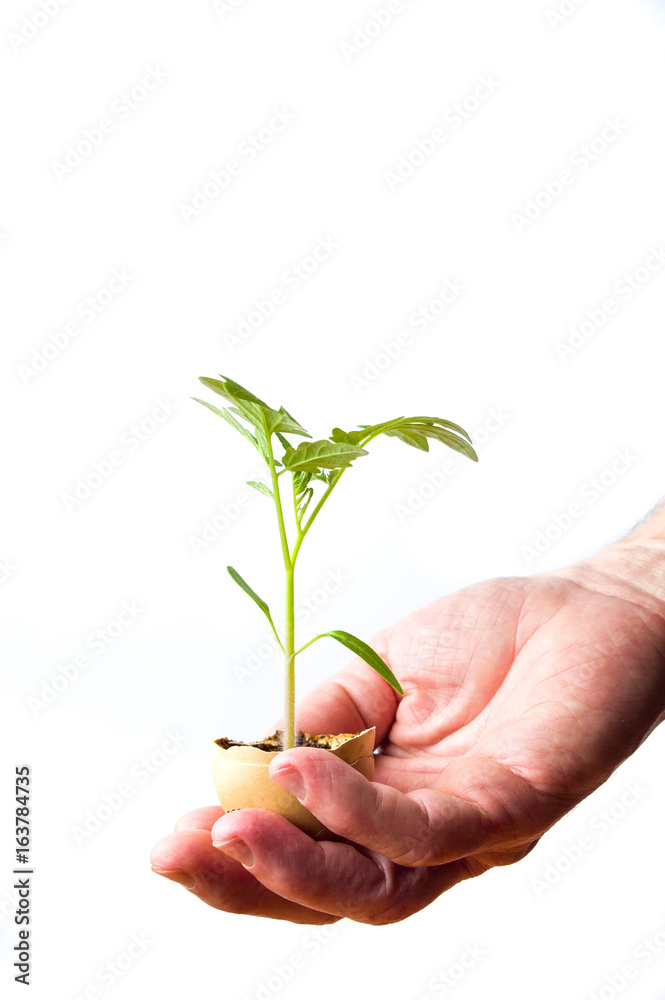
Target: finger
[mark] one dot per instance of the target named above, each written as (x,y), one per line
(332,877)
(354,699)
(188,857)
(199,819)
(427,826)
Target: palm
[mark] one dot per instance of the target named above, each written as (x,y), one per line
(521,696)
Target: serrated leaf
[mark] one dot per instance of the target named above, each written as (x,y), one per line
(366,653)
(262,488)
(312,456)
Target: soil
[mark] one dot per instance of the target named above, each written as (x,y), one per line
(272,743)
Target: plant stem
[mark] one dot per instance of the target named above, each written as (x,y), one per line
(289,737)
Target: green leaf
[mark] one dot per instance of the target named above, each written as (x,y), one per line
(262,488)
(236,577)
(303,503)
(312,456)
(246,404)
(414,431)
(230,419)
(443,423)
(367,654)
(239,392)
(409,437)
(291,426)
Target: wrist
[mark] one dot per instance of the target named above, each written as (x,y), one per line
(632,568)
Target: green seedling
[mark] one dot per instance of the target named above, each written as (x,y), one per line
(314,469)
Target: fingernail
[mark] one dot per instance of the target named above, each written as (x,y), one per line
(176,875)
(290,779)
(237,849)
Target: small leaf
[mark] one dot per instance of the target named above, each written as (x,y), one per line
(230,419)
(367,654)
(291,426)
(312,456)
(262,488)
(303,503)
(300,482)
(236,577)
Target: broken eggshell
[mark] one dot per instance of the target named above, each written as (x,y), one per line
(242,777)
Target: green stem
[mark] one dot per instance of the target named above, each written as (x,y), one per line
(289,738)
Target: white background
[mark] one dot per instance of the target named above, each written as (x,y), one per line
(70,567)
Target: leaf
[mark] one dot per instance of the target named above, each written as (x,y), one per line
(247,405)
(262,488)
(300,482)
(236,577)
(253,409)
(312,456)
(230,419)
(443,423)
(415,431)
(239,392)
(291,426)
(303,503)
(367,654)
(409,437)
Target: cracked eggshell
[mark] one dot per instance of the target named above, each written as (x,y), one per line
(243,781)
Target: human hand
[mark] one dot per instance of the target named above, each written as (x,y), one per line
(521,696)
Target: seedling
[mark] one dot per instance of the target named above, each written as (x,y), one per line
(314,468)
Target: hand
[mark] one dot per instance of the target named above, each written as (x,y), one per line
(521,696)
